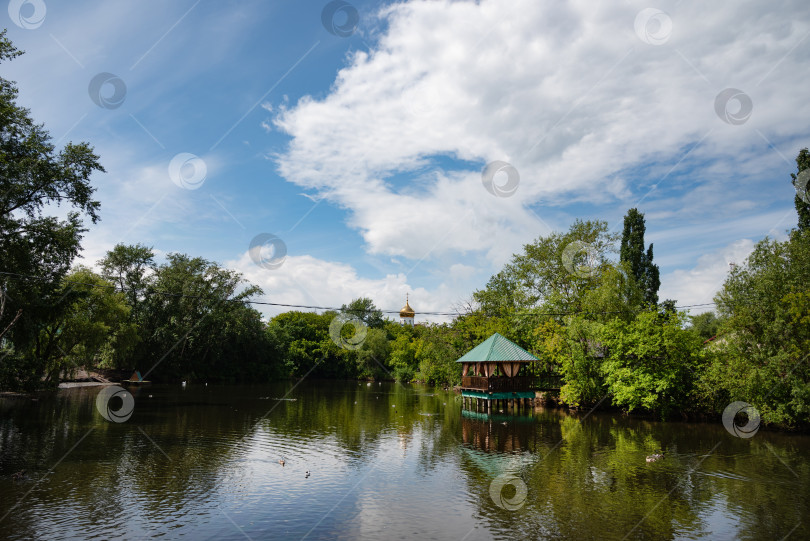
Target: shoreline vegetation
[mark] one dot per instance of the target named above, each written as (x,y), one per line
(590,316)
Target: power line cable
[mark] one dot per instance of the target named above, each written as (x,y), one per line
(325,308)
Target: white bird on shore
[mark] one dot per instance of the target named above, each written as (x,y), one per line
(183,383)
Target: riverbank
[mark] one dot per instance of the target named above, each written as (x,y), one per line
(93,378)
(74,384)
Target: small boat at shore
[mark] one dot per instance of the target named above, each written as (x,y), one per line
(136,379)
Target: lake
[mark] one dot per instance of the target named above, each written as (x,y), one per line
(385,461)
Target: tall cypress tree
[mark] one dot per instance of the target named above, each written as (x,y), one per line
(652,278)
(802,206)
(632,252)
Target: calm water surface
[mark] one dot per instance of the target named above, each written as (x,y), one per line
(386,461)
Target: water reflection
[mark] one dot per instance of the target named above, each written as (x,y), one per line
(499,432)
(385,461)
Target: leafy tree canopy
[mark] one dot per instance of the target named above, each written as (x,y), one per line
(35,248)
(365,310)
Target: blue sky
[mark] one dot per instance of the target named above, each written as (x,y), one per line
(364,152)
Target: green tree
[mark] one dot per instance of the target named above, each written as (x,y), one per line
(197,319)
(705,325)
(573,350)
(403,356)
(90,317)
(127,267)
(130,268)
(365,310)
(802,204)
(765,335)
(34,176)
(650,363)
(372,357)
(435,350)
(540,278)
(640,262)
(305,348)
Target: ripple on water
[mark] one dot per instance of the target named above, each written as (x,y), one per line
(725,474)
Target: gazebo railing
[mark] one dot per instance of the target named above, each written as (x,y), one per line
(518,383)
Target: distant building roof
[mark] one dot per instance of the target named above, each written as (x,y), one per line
(496,348)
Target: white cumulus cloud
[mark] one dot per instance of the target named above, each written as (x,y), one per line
(566,92)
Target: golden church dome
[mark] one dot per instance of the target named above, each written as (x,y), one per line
(407,311)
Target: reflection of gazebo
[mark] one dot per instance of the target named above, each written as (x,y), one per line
(498,369)
(500,432)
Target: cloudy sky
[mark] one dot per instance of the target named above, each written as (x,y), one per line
(346,142)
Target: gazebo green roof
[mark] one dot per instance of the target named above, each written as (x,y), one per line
(495,349)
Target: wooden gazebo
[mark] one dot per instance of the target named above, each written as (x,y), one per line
(498,369)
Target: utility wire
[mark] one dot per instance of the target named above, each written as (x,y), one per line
(326,308)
